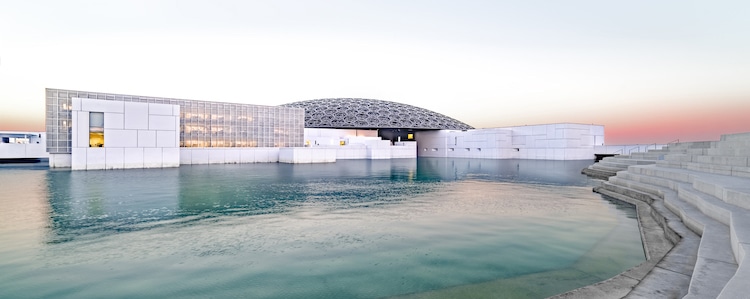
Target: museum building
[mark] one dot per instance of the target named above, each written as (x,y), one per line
(92,130)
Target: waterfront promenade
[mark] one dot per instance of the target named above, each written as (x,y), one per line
(693,201)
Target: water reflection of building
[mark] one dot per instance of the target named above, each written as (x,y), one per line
(552,172)
(91,202)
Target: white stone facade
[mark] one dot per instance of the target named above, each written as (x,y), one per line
(23,145)
(359,144)
(136,135)
(542,142)
(228,155)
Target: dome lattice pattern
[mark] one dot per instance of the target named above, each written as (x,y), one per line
(370,113)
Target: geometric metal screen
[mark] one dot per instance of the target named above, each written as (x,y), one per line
(373,114)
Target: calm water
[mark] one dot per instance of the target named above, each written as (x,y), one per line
(417,228)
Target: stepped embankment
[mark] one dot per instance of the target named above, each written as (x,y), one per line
(693,202)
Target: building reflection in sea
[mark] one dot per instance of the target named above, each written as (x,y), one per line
(83,203)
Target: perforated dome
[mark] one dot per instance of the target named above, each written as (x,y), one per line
(371,114)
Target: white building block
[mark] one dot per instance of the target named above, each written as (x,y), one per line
(215,156)
(115,158)
(60,160)
(199,156)
(78,158)
(136,116)
(75,104)
(152,157)
(146,138)
(132,158)
(81,130)
(96,158)
(185,156)
(232,155)
(166,139)
(247,155)
(120,138)
(160,109)
(102,106)
(113,120)
(171,157)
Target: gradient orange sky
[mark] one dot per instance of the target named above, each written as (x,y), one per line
(650,72)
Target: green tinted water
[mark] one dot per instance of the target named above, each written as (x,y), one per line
(426,228)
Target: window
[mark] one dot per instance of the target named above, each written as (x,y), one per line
(96,129)
(410,136)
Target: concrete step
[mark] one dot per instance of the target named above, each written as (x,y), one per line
(709,159)
(721,160)
(737,287)
(653,191)
(629,161)
(731,144)
(672,185)
(731,190)
(670,276)
(678,158)
(598,174)
(657,170)
(735,171)
(698,207)
(715,264)
(629,192)
(646,156)
(738,136)
(742,151)
(613,164)
(603,167)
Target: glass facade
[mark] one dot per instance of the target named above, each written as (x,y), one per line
(202,123)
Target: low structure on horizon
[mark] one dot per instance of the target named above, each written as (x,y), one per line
(22,146)
(91,130)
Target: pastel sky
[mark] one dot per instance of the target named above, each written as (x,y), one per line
(649,71)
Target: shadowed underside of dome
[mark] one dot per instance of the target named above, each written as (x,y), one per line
(370,113)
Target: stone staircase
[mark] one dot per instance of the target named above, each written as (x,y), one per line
(700,194)
(609,166)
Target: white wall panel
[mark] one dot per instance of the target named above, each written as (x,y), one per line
(152,157)
(75,104)
(231,156)
(215,156)
(120,138)
(102,106)
(78,158)
(146,138)
(136,115)
(185,156)
(114,120)
(161,122)
(96,158)
(82,128)
(160,109)
(133,158)
(247,155)
(166,139)
(199,156)
(171,157)
(115,158)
